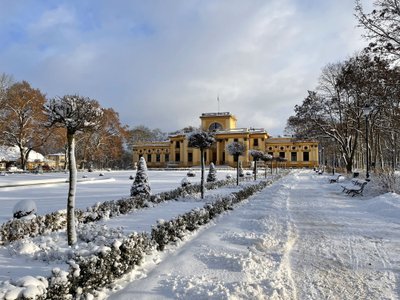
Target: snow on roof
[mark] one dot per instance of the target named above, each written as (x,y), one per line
(12,154)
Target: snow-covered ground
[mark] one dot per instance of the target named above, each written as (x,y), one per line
(94,188)
(300,238)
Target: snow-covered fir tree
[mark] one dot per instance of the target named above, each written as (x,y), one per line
(212,173)
(141,185)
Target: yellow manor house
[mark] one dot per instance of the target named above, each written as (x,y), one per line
(175,153)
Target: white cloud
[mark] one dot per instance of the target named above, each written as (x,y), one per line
(163,65)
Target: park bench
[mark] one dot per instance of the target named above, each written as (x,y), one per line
(356,188)
(335,179)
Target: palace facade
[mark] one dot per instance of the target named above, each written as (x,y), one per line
(175,153)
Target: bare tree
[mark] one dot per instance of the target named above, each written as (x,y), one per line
(382,26)
(201,140)
(22,119)
(335,110)
(75,113)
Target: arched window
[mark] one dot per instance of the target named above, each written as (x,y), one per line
(215,127)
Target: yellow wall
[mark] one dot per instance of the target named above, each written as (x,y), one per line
(218,153)
(227,120)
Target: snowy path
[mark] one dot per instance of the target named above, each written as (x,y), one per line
(343,251)
(298,239)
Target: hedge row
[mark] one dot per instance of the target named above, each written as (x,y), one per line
(17,229)
(87,274)
(166,232)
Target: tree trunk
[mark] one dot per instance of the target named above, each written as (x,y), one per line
(255,170)
(22,157)
(71,230)
(237,170)
(202,173)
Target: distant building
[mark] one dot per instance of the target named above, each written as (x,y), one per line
(176,153)
(56,161)
(10,158)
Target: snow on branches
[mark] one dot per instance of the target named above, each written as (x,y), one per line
(201,140)
(141,185)
(73,112)
(236,148)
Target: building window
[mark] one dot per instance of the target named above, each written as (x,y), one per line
(271,153)
(167,157)
(282,154)
(158,157)
(306,156)
(270,148)
(190,156)
(255,142)
(177,157)
(178,144)
(293,156)
(215,127)
(148,157)
(236,140)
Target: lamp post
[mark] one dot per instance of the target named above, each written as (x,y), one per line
(366,112)
(334,156)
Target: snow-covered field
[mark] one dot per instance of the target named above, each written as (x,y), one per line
(94,188)
(300,238)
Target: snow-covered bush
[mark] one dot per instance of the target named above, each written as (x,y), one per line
(389,181)
(25,209)
(166,232)
(141,185)
(212,173)
(88,273)
(17,229)
(228,176)
(26,287)
(185,182)
(20,228)
(191,173)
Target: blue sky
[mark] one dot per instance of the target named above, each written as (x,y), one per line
(163,63)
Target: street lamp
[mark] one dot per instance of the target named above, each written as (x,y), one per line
(334,156)
(367,109)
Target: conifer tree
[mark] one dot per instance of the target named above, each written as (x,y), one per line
(141,185)
(212,173)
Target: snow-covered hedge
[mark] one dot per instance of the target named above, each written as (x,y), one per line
(88,273)
(18,229)
(166,232)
